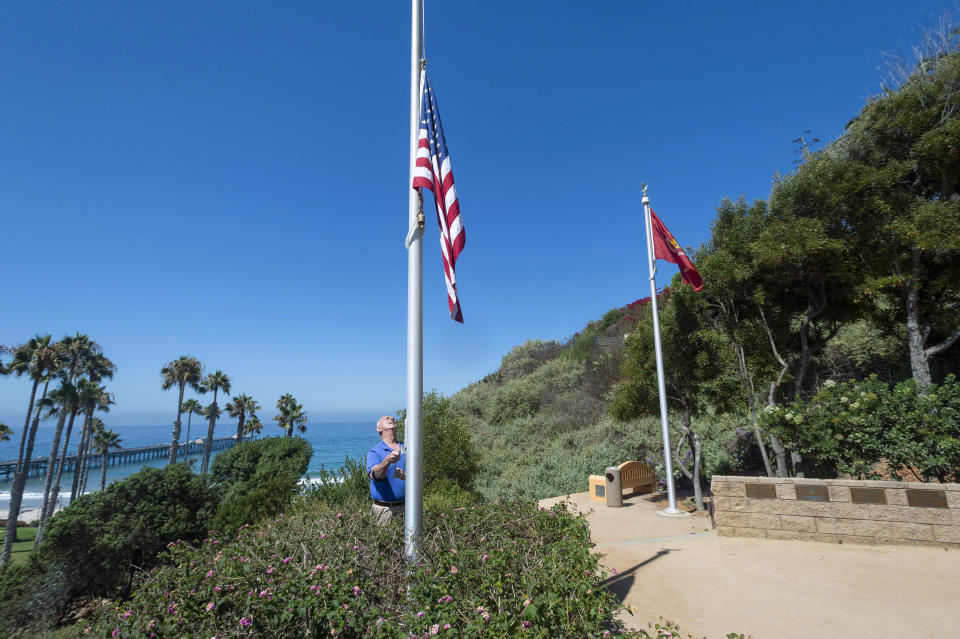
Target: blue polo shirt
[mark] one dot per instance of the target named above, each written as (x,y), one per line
(389,488)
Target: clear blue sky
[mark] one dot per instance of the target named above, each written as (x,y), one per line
(229,179)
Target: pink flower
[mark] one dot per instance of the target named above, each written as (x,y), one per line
(484,558)
(356,591)
(526,624)
(446,626)
(453,570)
(434,629)
(209,574)
(419,614)
(209,606)
(217,589)
(245,622)
(288,560)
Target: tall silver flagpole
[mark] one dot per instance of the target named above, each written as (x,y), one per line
(671,510)
(413,509)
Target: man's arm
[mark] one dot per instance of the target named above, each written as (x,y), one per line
(379,471)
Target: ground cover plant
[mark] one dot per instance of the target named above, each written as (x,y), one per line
(484,571)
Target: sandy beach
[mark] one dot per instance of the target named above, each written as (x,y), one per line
(32,515)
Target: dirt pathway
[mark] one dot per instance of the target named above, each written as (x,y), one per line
(680,570)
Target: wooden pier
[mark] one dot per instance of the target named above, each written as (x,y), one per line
(38,465)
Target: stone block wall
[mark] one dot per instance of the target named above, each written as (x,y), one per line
(933,519)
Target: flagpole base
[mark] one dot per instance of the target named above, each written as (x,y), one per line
(672,512)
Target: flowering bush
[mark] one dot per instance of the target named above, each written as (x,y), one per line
(848,427)
(487,571)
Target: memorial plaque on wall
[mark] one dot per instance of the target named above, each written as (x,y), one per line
(926,498)
(600,490)
(868,496)
(810,492)
(762,491)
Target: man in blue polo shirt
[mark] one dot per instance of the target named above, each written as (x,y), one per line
(385,467)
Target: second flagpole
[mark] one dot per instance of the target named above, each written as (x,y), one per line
(671,510)
(413,426)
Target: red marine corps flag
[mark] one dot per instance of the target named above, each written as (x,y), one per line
(433,172)
(666,247)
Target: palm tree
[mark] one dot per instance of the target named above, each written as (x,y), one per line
(253,426)
(5,432)
(240,407)
(40,359)
(291,414)
(103,441)
(191,407)
(215,382)
(93,367)
(93,397)
(181,372)
(76,352)
(96,425)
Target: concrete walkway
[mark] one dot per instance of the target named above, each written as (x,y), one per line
(679,569)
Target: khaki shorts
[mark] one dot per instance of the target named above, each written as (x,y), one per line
(384,514)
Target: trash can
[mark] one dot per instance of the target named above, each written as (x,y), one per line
(614,494)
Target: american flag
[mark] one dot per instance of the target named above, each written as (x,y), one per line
(433,172)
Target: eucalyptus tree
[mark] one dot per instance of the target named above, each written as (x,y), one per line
(214,382)
(93,397)
(698,373)
(291,415)
(40,359)
(240,407)
(103,441)
(81,357)
(191,407)
(893,179)
(182,372)
(782,282)
(732,290)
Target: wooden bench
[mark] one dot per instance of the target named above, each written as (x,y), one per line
(634,476)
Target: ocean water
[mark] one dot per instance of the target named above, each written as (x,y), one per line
(332,443)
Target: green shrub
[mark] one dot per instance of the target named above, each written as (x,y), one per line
(262,500)
(94,546)
(524,396)
(250,463)
(444,494)
(32,594)
(488,571)
(347,487)
(448,448)
(526,358)
(101,538)
(849,427)
(257,479)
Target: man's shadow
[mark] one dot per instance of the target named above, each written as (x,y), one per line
(621,583)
